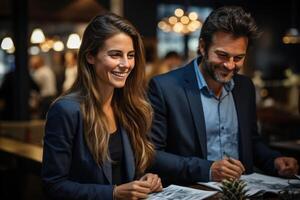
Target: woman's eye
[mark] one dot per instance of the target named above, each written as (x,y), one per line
(130,56)
(114,55)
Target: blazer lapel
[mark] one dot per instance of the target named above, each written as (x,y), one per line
(238,99)
(106,167)
(194,99)
(128,156)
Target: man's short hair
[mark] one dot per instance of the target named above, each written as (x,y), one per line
(228,19)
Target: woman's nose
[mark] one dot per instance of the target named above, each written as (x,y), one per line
(124,62)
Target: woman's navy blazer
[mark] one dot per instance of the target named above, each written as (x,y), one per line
(69,170)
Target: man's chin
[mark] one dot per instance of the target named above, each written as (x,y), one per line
(223,80)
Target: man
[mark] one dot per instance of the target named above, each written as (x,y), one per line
(204,125)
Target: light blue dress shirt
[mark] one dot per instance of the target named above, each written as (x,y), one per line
(220,119)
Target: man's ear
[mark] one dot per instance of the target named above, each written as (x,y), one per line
(202,47)
(90,58)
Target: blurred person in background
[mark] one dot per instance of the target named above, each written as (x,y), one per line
(8,95)
(299,99)
(205,126)
(44,77)
(70,70)
(151,59)
(58,66)
(96,144)
(171,61)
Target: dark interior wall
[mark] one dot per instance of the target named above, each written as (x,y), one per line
(273,17)
(143,15)
(271,14)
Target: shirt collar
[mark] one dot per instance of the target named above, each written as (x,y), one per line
(201,81)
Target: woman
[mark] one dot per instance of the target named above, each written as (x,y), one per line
(95,144)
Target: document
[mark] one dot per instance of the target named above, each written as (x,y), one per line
(263,183)
(175,192)
(258,183)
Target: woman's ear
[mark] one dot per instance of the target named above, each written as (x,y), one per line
(90,58)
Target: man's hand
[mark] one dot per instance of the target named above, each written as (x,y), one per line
(154,181)
(228,168)
(133,190)
(286,166)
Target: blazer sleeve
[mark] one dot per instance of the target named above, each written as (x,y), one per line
(263,155)
(174,167)
(62,120)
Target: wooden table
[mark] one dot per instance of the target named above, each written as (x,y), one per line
(20,169)
(291,145)
(202,187)
(21,149)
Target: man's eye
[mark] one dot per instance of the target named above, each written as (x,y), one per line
(222,55)
(236,59)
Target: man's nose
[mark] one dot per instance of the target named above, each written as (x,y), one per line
(230,64)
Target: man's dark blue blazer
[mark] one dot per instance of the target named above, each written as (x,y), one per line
(179,133)
(69,170)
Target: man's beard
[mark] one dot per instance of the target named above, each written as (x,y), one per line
(210,69)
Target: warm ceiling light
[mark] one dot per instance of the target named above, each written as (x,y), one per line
(73,41)
(292,36)
(181,22)
(7,44)
(184,20)
(37,36)
(45,47)
(164,26)
(179,12)
(173,20)
(178,27)
(58,46)
(193,16)
(34,50)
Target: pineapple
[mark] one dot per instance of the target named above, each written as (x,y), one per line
(233,189)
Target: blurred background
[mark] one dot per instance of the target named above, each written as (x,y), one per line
(39,44)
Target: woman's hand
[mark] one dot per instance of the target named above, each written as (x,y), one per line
(133,190)
(154,181)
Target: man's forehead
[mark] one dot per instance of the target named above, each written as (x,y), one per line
(227,42)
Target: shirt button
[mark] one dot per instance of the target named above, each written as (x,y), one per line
(222,127)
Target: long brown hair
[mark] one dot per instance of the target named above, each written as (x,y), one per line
(129,103)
